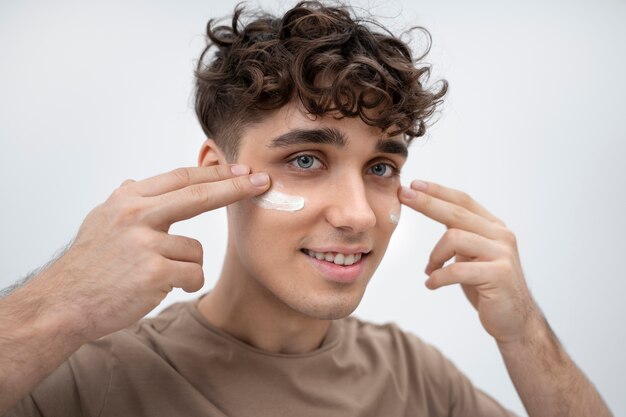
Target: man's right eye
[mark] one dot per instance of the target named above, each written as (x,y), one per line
(306,162)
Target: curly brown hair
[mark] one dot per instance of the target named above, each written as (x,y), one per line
(326,56)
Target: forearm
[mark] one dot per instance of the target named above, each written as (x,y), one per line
(35,339)
(547,380)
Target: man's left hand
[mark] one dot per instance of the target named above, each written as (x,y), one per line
(487,263)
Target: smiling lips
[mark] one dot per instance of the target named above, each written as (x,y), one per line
(335,257)
(342,267)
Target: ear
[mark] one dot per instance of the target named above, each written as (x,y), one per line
(210,154)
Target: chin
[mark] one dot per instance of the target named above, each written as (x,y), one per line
(327,306)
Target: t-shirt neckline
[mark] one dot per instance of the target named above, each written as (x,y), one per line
(331,340)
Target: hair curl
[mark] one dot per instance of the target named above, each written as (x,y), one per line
(326,56)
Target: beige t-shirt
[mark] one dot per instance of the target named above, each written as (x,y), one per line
(177,364)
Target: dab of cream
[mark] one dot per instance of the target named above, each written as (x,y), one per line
(276,200)
(394,214)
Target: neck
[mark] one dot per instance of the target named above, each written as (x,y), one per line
(241,306)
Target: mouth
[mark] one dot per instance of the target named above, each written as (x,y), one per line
(341,267)
(337,258)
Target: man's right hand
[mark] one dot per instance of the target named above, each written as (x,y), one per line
(124,262)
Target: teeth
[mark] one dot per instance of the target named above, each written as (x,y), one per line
(336,258)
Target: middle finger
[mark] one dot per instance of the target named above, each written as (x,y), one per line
(460,242)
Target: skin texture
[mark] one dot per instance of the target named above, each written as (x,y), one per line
(346,205)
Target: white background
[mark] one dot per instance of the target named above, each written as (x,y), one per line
(92,93)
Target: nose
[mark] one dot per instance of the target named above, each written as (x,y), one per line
(349,208)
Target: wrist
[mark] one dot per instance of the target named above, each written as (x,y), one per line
(537,343)
(536,331)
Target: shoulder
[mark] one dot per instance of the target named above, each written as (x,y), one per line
(132,342)
(138,346)
(84,380)
(431,378)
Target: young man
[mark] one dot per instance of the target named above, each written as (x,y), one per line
(308,119)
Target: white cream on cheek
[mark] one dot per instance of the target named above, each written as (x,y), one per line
(394,213)
(275,200)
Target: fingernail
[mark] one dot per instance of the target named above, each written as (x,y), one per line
(239,170)
(419,185)
(259,179)
(408,193)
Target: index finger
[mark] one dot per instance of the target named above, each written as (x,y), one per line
(456,197)
(196,199)
(454,213)
(184,177)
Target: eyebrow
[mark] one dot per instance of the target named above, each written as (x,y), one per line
(332,136)
(326,136)
(392,146)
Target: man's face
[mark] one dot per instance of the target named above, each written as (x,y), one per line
(347,173)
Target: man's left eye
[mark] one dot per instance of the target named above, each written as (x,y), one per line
(382,170)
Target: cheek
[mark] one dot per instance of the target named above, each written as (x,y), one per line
(387,208)
(387,217)
(258,225)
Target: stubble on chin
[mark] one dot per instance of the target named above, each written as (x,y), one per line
(331,306)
